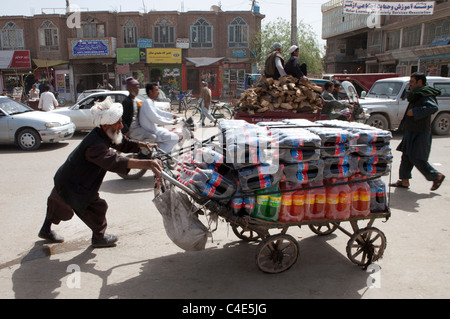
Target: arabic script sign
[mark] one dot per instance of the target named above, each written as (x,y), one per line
(389,8)
(90,47)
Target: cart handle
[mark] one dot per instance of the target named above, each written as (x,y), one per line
(173,181)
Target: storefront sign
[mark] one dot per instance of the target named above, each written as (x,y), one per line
(145,43)
(128,55)
(182,43)
(15,59)
(239,53)
(98,47)
(169,56)
(389,8)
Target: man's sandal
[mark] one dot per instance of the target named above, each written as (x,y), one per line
(437,183)
(398,184)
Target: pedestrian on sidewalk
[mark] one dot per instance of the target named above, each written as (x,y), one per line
(416,125)
(205,102)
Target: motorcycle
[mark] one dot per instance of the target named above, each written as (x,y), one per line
(185,133)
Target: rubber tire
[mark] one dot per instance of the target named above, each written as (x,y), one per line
(28,139)
(441,124)
(378,121)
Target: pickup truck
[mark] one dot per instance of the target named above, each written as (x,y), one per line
(386,103)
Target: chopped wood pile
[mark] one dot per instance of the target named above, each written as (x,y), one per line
(287,93)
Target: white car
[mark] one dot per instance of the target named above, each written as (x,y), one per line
(80,113)
(86,93)
(28,128)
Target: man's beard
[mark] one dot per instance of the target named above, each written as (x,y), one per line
(115,136)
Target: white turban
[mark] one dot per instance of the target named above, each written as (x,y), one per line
(293,49)
(106,112)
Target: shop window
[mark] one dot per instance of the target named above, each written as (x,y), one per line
(12,36)
(238,33)
(164,35)
(201,34)
(48,37)
(130,34)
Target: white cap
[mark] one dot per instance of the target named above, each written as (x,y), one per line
(106,112)
(293,48)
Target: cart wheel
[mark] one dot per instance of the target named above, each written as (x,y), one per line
(277,253)
(245,234)
(366,246)
(324,228)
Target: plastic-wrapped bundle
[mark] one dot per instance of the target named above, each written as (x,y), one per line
(304,172)
(260,176)
(248,146)
(340,167)
(301,123)
(293,145)
(295,138)
(373,136)
(335,141)
(377,149)
(374,165)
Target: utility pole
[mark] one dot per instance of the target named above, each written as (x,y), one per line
(294,22)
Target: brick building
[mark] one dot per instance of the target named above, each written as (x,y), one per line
(178,49)
(395,43)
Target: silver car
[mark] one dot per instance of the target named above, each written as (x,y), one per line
(386,103)
(28,128)
(80,113)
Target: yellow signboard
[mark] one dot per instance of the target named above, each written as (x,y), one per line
(164,56)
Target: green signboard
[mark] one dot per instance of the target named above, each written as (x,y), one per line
(128,55)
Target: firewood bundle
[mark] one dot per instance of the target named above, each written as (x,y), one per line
(287,92)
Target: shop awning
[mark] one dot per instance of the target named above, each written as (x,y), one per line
(203,61)
(40,63)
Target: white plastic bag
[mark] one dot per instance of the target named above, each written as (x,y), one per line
(182,226)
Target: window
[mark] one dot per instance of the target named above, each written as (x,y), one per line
(130,34)
(12,36)
(444,88)
(238,33)
(91,28)
(201,34)
(411,36)
(164,35)
(393,40)
(436,29)
(48,37)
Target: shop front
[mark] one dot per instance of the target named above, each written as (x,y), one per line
(15,71)
(164,67)
(93,60)
(196,70)
(56,73)
(131,62)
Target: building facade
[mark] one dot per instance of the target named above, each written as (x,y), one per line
(176,49)
(386,43)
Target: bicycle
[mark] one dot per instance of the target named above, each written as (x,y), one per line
(61,100)
(219,110)
(185,98)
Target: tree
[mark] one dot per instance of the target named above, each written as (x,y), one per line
(280,31)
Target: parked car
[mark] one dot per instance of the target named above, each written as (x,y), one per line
(80,113)
(28,128)
(386,103)
(86,93)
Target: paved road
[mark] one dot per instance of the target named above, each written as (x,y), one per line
(146,264)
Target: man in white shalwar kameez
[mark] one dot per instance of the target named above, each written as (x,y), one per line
(151,116)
